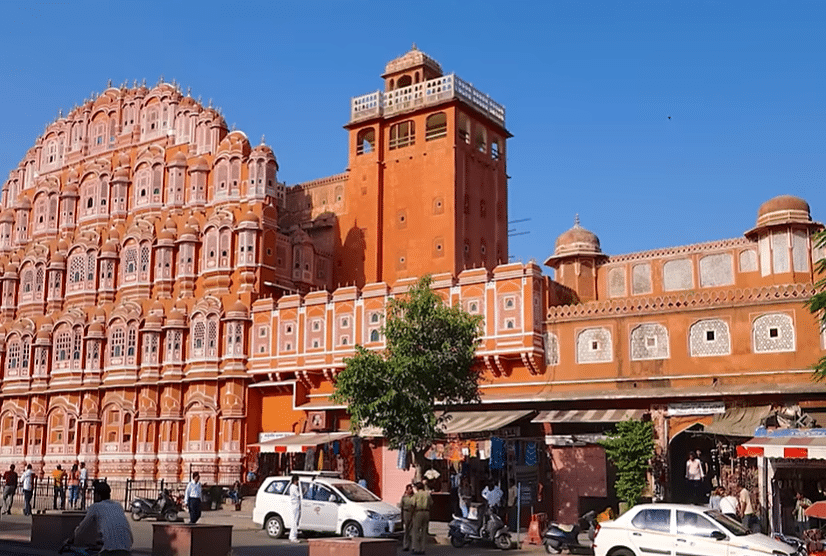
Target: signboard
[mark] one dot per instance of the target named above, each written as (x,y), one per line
(696,408)
(265,436)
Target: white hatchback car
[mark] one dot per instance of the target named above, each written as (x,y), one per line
(329,504)
(682,529)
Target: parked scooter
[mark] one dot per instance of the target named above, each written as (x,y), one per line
(164,508)
(558,537)
(484,526)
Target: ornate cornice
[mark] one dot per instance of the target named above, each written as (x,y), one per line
(681,250)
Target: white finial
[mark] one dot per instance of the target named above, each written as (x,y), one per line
(576,220)
(262,139)
(414,47)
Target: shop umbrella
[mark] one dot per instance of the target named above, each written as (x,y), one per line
(818,510)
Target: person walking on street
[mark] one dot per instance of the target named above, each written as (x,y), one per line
(294,490)
(421,517)
(750,520)
(105,521)
(74,485)
(192,494)
(59,476)
(408,506)
(10,480)
(84,478)
(28,489)
(800,517)
(694,475)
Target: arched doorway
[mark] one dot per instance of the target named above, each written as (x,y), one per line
(691,439)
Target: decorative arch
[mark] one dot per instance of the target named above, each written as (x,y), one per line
(649,341)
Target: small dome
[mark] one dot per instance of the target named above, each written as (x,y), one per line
(412,59)
(153,321)
(239,307)
(179,160)
(7,216)
(783,209)
(110,248)
(43,336)
(250,217)
(58,258)
(577,241)
(96,329)
(200,164)
(122,174)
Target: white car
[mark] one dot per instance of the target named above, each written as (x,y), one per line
(682,529)
(329,505)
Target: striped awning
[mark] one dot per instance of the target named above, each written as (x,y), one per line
(793,447)
(300,442)
(588,415)
(462,422)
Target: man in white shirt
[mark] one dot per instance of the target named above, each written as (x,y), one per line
(192,495)
(106,521)
(694,475)
(493,495)
(294,490)
(84,478)
(28,489)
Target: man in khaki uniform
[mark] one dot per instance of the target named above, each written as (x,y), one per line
(408,507)
(421,517)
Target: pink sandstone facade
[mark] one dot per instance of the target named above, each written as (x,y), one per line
(166,303)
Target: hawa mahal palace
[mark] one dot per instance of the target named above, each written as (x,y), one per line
(166,303)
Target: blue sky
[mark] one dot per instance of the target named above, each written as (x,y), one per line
(588,88)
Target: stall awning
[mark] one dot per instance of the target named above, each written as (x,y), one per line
(588,415)
(462,422)
(796,447)
(739,421)
(300,442)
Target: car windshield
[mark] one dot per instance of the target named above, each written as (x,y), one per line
(732,526)
(356,493)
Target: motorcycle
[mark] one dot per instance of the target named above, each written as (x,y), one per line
(558,537)
(795,542)
(164,508)
(487,526)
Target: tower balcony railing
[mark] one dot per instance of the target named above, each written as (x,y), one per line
(426,93)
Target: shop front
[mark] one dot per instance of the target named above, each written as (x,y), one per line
(789,461)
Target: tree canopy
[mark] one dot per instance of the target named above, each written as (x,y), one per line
(817,304)
(630,448)
(428,359)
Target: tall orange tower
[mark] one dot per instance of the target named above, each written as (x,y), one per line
(427,186)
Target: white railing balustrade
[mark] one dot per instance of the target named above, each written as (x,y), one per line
(423,94)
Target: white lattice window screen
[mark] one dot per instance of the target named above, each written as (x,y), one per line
(39,282)
(77,346)
(104,196)
(649,341)
(157,184)
(211,250)
(27,284)
(131,344)
(212,337)
(13,358)
(150,347)
(239,338)
(117,339)
(709,337)
(198,338)
(93,355)
(76,272)
(25,353)
(226,241)
(130,265)
(142,186)
(173,346)
(91,263)
(773,332)
(551,349)
(62,347)
(145,264)
(594,346)
(40,215)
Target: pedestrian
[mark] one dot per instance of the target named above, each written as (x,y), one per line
(73,481)
(106,522)
(728,504)
(235,492)
(407,506)
(10,480)
(84,483)
(28,489)
(295,506)
(493,495)
(192,494)
(716,497)
(800,517)
(423,501)
(59,476)
(750,520)
(513,501)
(694,475)
(465,496)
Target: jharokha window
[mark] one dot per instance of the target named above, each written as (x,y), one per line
(402,134)
(436,126)
(366,141)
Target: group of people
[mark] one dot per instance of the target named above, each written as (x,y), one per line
(735,502)
(415,504)
(75,480)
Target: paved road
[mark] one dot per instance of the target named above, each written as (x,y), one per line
(247,539)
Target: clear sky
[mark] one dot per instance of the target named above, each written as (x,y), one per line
(588,86)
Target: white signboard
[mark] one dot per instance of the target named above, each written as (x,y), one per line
(696,408)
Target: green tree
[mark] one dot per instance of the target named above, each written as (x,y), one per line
(630,448)
(428,360)
(817,304)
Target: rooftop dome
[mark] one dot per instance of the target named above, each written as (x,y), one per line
(782,210)
(576,241)
(412,59)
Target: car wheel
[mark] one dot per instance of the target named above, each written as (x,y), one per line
(275,527)
(622,552)
(503,542)
(137,515)
(458,541)
(351,529)
(170,515)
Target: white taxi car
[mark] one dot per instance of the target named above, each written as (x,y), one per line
(329,504)
(677,529)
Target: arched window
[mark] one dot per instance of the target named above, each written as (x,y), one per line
(709,337)
(130,263)
(436,126)
(366,141)
(117,341)
(402,134)
(773,333)
(374,335)
(481,141)
(649,341)
(593,345)
(463,128)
